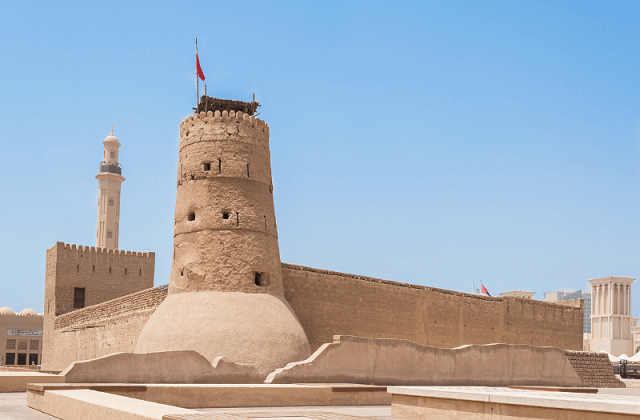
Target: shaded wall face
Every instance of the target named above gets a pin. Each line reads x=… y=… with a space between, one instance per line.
x=328 y=304
x=225 y=233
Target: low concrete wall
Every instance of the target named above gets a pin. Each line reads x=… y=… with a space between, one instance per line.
x=400 y=362
x=166 y=367
x=483 y=403
x=83 y=404
x=290 y=395
x=17 y=381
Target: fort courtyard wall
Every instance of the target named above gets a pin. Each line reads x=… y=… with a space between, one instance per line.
x=102 y=329
x=80 y=276
x=328 y=303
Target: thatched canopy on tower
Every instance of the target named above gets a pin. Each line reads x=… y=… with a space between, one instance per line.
x=207 y=103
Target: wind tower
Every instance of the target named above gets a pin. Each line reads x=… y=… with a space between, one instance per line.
x=110 y=179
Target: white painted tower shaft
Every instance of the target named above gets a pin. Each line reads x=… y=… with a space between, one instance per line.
x=110 y=179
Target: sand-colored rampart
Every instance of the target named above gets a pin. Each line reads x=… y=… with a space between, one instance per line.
x=328 y=303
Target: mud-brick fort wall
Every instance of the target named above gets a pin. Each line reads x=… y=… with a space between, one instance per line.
x=103 y=329
x=329 y=303
x=104 y=274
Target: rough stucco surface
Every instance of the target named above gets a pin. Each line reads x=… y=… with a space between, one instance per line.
x=100 y=330
x=105 y=275
x=400 y=362
x=328 y=303
x=171 y=367
x=225 y=226
x=225 y=289
x=250 y=328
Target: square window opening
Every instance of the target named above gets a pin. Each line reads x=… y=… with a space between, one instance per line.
x=78 y=297
x=261 y=278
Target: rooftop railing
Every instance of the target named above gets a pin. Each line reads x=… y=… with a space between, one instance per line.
x=114 y=169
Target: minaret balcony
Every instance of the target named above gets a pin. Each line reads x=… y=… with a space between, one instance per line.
x=114 y=169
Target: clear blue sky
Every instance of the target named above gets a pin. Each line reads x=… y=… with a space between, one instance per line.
x=435 y=143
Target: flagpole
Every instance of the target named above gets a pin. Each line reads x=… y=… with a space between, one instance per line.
x=197 y=81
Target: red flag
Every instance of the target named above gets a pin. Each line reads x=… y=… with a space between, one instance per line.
x=199 y=69
x=484 y=290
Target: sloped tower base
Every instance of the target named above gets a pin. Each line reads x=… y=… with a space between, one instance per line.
x=252 y=328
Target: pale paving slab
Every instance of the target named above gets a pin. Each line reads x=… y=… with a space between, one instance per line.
x=606 y=403
x=13 y=406
x=382 y=412
x=82 y=404
x=289 y=413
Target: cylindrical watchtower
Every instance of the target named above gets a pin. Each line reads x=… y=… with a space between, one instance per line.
x=225 y=235
x=226 y=296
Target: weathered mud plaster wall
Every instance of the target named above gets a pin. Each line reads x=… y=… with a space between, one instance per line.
x=100 y=330
x=388 y=361
x=328 y=303
x=104 y=274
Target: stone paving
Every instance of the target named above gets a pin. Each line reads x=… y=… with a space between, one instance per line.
x=378 y=412
x=13 y=406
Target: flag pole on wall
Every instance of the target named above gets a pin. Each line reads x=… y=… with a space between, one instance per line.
x=199 y=75
x=197 y=78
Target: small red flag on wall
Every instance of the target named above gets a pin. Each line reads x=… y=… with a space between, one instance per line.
x=485 y=291
x=198 y=68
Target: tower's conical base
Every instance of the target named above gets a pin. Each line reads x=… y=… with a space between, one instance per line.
x=252 y=328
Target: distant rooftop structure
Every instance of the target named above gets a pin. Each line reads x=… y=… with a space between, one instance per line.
x=25 y=312
x=567 y=294
x=207 y=103
x=519 y=293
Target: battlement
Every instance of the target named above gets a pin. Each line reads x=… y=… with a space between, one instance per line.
x=83 y=249
x=97 y=273
x=224 y=126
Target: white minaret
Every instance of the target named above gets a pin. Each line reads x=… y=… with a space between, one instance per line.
x=110 y=177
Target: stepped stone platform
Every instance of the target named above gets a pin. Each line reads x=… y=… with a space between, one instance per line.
x=490 y=403
x=594 y=369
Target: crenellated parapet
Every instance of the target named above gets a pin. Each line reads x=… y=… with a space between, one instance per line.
x=236 y=126
x=79 y=276
x=82 y=250
x=224 y=145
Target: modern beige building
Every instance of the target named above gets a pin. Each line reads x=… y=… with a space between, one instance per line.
x=110 y=179
x=611 y=315
x=519 y=293
x=20 y=337
x=567 y=295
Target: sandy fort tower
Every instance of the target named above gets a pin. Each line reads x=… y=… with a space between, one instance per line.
x=110 y=180
x=226 y=294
